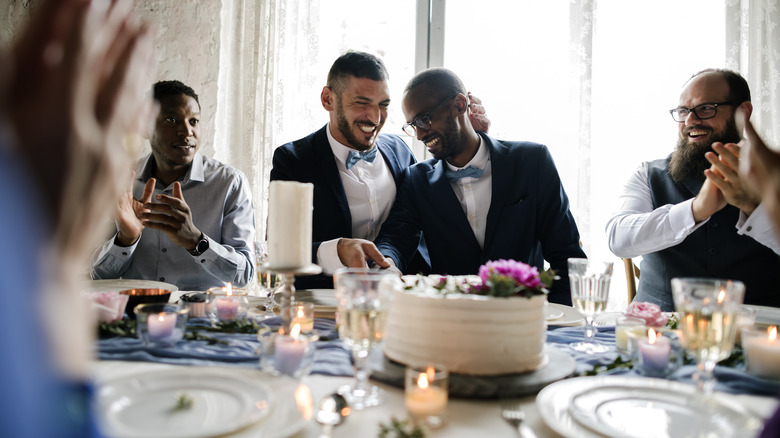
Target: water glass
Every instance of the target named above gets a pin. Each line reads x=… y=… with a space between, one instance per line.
x=267 y=282
x=589 y=281
x=364 y=299
x=709 y=311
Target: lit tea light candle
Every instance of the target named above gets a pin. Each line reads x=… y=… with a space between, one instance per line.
x=763 y=352
x=227 y=307
x=424 y=399
x=160 y=326
x=289 y=351
x=654 y=352
x=304 y=316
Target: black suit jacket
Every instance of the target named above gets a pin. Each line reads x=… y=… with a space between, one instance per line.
x=311 y=160
x=528 y=220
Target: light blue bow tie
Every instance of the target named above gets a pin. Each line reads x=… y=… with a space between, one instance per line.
x=355 y=156
x=469 y=172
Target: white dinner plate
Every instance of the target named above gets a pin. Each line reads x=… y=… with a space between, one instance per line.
x=142 y=406
x=639 y=407
x=124 y=284
x=569 y=316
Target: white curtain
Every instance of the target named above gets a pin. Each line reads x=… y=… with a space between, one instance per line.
x=265 y=49
x=753 y=43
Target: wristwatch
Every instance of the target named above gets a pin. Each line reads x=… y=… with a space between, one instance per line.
x=201 y=247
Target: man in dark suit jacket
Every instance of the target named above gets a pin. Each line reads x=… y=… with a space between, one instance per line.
x=354 y=186
x=478 y=199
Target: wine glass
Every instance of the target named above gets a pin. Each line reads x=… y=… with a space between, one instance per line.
x=589 y=281
x=710 y=309
x=364 y=298
x=267 y=282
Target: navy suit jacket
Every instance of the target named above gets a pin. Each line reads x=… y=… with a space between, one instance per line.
x=528 y=220
x=311 y=160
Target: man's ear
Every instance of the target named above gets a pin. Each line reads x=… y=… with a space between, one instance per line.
x=747 y=107
x=328 y=98
x=462 y=103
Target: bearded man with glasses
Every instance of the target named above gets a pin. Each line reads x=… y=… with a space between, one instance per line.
x=691 y=214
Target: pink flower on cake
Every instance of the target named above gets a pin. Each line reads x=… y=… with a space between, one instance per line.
x=649 y=312
x=509 y=277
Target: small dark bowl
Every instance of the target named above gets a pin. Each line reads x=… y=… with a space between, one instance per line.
x=139 y=296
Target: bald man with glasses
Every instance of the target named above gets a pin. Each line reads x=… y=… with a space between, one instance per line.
x=690 y=214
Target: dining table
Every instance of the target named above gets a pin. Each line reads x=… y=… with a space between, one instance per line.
x=120 y=360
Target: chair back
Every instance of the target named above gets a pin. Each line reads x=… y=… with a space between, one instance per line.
x=632 y=275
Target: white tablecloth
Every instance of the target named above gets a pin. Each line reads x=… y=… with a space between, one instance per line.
x=466 y=418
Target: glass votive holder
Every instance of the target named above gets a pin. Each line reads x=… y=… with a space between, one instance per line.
x=226 y=304
x=300 y=313
x=745 y=318
x=287 y=354
x=160 y=325
x=659 y=354
x=762 y=351
x=623 y=326
x=426 y=390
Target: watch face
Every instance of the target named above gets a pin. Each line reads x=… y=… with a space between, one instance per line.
x=203 y=245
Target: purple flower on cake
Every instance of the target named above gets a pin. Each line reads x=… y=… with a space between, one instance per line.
x=503 y=278
x=649 y=312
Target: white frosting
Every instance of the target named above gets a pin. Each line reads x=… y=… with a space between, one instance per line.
x=467 y=334
x=290 y=208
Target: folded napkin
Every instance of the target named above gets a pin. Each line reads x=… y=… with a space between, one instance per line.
x=330 y=358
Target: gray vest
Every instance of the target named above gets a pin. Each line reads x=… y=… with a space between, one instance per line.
x=713 y=250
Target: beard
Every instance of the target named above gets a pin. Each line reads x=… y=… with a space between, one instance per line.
x=450 y=140
x=688 y=161
x=345 y=128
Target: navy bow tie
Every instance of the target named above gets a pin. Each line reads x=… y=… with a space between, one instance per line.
x=469 y=172
x=355 y=156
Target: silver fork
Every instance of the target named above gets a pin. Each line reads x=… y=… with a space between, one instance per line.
x=514 y=415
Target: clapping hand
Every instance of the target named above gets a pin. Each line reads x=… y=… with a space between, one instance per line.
x=173 y=216
x=760 y=168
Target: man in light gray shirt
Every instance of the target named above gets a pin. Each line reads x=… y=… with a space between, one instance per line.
x=189 y=220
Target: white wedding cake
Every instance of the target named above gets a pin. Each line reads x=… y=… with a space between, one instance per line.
x=466 y=333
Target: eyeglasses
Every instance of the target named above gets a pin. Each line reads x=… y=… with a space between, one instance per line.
x=423 y=121
x=703 y=111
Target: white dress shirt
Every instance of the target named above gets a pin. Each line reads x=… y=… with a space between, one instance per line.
x=638 y=229
x=475 y=194
x=370 y=190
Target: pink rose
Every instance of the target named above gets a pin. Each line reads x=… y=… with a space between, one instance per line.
x=649 y=312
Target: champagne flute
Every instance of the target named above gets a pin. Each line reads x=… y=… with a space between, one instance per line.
x=267 y=282
x=710 y=308
x=363 y=301
x=589 y=281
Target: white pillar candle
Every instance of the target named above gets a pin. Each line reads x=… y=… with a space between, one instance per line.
x=290 y=208
x=160 y=326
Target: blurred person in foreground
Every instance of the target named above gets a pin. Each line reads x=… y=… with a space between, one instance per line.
x=69 y=95
x=355 y=170
x=198 y=232
x=478 y=199
x=759 y=166
x=690 y=214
